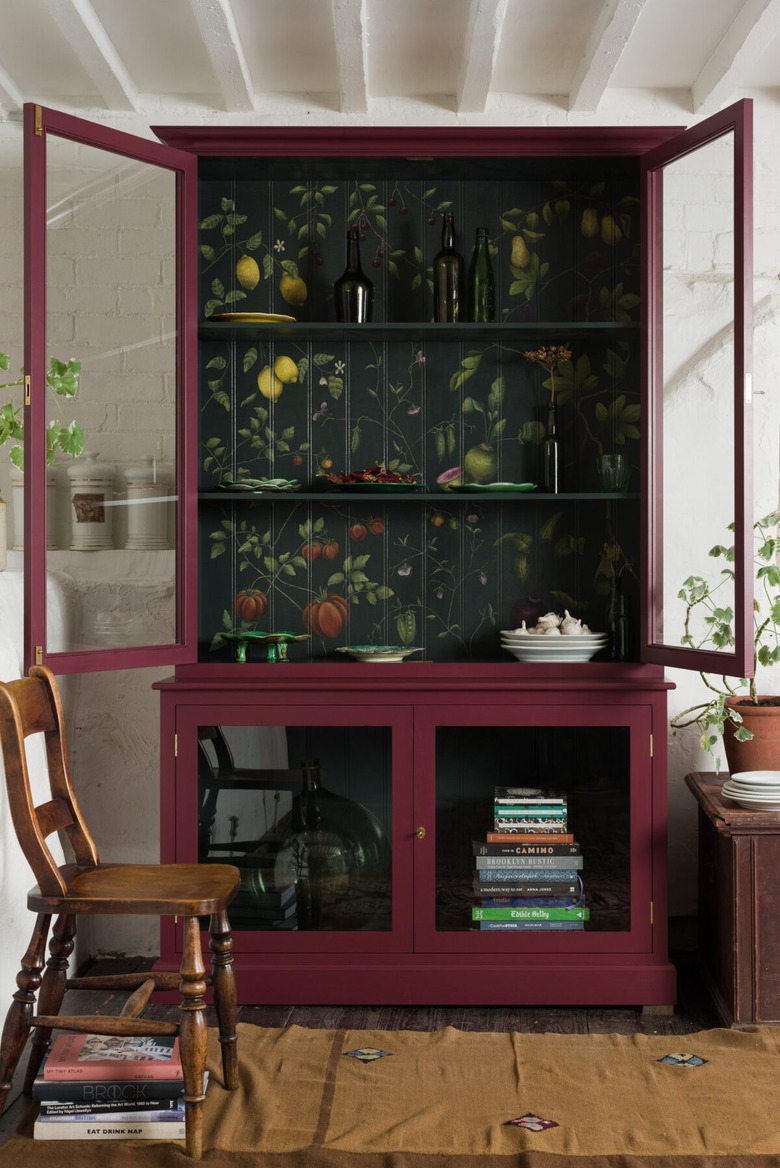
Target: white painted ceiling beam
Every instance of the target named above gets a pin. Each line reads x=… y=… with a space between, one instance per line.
x=350 y=31
x=605 y=46
x=79 y=25
x=745 y=41
x=480 y=51
x=11 y=97
x=219 y=32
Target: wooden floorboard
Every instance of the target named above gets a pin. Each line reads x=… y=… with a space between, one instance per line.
x=694 y=1011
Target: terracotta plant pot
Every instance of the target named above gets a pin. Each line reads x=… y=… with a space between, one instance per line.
x=762 y=752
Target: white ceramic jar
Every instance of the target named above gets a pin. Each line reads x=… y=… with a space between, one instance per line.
x=91 y=500
x=147 y=506
x=17 y=499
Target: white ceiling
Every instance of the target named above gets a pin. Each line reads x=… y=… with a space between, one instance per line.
x=244 y=57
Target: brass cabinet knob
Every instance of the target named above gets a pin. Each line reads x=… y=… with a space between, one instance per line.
x=420 y=833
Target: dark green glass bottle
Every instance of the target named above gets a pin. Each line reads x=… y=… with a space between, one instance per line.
x=353 y=293
x=447 y=275
x=481 y=285
x=551 y=452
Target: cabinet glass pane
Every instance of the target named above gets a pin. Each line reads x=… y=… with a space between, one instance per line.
x=311 y=838
x=111 y=291
x=697 y=415
x=581 y=880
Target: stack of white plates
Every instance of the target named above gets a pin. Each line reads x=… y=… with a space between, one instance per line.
x=548 y=647
x=756 y=790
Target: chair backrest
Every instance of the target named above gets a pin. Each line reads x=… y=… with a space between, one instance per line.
x=32 y=705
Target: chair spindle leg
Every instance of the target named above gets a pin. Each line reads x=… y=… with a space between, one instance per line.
x=19 y=1017
x=224 y=985
x=193 y=1035
x=52 y=991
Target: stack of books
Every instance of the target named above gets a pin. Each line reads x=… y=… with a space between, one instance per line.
x=98 y=1087
x=528 y=872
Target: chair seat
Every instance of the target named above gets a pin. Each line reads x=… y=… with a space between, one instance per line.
x=164 y=890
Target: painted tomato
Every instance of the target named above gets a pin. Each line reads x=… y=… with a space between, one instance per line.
x=330 y=550
x=358 y=531
x=250 y=605
x=326 y=616
x=311 y=552
x=376 y=526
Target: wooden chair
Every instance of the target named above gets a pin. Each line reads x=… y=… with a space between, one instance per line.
x=32 y=705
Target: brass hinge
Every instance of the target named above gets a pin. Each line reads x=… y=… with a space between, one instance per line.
x=651 y=746
x=176 y=746
x=38 y=121
x=27 y=391
x=39 y=654
x=651 y=912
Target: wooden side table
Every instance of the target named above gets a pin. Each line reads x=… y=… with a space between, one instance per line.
x=739 y=905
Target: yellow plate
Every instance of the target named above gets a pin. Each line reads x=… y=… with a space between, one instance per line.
x=252 y=318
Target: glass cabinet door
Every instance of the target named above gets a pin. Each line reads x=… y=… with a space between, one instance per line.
x=108 y=296
x=307 y=805
x=539 y=830
x=697 y=308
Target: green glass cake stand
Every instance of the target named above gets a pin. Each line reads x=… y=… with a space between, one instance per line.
x=275 y=643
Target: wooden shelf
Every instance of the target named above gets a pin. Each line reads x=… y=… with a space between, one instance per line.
x=439 y=498
x=412 y=331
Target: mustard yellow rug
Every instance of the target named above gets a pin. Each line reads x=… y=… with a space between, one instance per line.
x=409 y=1099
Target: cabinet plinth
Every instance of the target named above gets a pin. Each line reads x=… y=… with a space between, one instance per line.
x=739 y=905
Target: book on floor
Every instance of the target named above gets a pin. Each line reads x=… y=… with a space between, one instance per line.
x=133 y=1115
x=101 y=1056
x=110 y=1130
x=110 y=1108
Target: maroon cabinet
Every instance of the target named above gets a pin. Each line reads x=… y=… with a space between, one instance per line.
x=416 y=747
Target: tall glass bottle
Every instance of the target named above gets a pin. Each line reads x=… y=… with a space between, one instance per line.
x=447 y=274
x=481 y=285
x=353 y=293
x=551 y=452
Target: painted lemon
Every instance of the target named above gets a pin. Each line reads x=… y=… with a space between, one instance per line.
x=521 y=257
x=269 y=384
x=589 y=225
x=610 y=232
x=248 y=273
x=293 y=289
x=286 y=370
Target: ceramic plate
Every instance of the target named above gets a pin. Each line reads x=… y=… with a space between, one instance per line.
x=384 y=488
x=755 y=804
x=532 y=654
x=377 y=654
x=251 y=318
x=486 y=488
x=752 y=792
x=756 y=777
x=254 y=485
x=752 y=788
